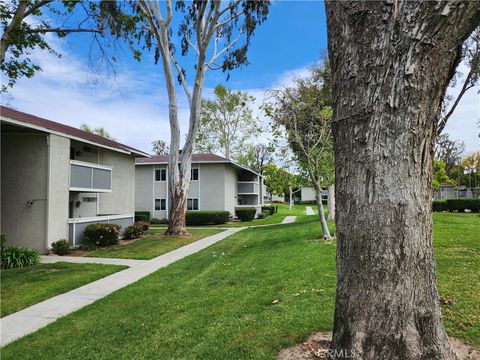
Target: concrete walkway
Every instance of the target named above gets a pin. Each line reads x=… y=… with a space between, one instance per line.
x=309 y=210
x=289 y=219
x=33 y=318
x=49 y=259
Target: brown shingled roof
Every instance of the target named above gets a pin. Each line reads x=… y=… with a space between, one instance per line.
x=163 y=159
x=69 y=131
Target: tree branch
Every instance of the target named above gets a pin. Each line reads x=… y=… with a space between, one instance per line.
x=466 y=86
x=66 y=31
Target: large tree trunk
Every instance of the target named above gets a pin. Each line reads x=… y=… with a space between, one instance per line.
x=331 y=203
x=321 y=213
x=391 y=63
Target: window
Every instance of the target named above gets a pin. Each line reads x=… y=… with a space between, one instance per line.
x=161 y=175
x=160 y=204
x=194 y=174
x=89 y=199
x=192 y=204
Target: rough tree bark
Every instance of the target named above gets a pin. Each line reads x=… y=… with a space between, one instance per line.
x=391 y=63
x=331 y=203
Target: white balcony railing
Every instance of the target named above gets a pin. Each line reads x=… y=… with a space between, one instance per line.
x=89 y=177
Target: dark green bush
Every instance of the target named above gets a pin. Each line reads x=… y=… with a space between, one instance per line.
x=134 y=231
x=155 y=221
x=270 y=209
x=61 y=247
x=142 y=216
x=207 y=217
x=102 y=234
x=456 y=205
x=18 y=257
x=462 y=204
x=308 y=202
x=145 y=225
x=246 y=214
x=439 y=205
x=263 y=214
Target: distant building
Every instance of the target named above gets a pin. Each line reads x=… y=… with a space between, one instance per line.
x=216 y=184
x=307 y=193
x=448 y=191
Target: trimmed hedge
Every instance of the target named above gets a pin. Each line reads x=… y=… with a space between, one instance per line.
x=270 y=209
x=246 y=214
x=134 y=231
x=439 y=206
x=142 y=216
x=456 y=205
x=61 y=247
x=462 y=204
x=206 y=217
x=102 y=234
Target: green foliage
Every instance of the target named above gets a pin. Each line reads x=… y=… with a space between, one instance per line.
x=207 y=217
x=440 y=176
x=142 y=216
x=102 y=234
x=255 y=157
x=19 y=257
x=463 y=204
x=456 y=205
x=246 y=214
x=134 y=231
x=155 y=221
x=160 y=147
x=269 y=208
x=61 y=247
x=439 y=206
x=278 y=180
x=226 y=123
x=100 y=131
x=143 y=224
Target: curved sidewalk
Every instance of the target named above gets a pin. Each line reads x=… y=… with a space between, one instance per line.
x=33 y=318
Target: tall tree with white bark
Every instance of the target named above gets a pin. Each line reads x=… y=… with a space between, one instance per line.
x=306 y=116
x=391 y=63
x=218 y=34
x=226 y=123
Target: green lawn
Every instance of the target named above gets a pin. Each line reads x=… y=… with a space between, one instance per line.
x=151 y=245
x=24 y=287
x=221 y=303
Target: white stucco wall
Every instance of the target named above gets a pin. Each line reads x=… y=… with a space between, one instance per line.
x=58 y=188
x=24 y=158
x=212 y=186
x=122 y=198
x=230 y=189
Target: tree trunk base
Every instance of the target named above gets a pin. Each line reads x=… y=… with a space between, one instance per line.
x=177 y=231
x=318 y=347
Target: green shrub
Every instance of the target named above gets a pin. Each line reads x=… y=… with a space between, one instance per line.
x=164 y=221
x=61 y=247
x=18 y=257
x=462 y=204
x=155 y=221
x=263 y=214
x=102 y=234
x=142 y=216
x=207 y=217
x=143 y=224
x=133 y=231
x=246 y=214
x=270 y=209
x=439 y=205
x=308 y=202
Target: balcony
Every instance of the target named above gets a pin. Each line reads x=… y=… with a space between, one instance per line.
x=89 y=177
x=247 y=187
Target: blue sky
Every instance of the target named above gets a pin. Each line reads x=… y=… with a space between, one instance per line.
x=133 y=106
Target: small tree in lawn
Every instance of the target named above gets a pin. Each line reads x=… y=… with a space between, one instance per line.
x=160 y=147
x=306 y=117
x=279 y=181
x=226 y=123
x=212 y=31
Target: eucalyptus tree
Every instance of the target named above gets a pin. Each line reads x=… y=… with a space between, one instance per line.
x=160 y=147
x=100 y=131
x=391 y=64
x=256 y=156
x=306 y=118
x=226 y=123
x=217 y=34
x=25 y=24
